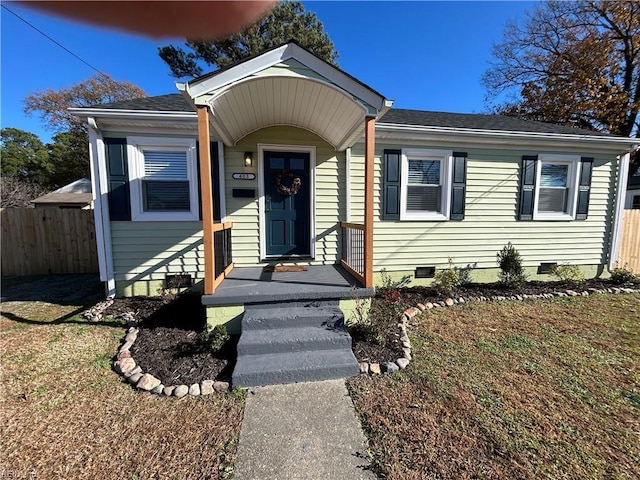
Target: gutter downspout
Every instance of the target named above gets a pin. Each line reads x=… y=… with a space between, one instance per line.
x=99 y=189
x=623 y=173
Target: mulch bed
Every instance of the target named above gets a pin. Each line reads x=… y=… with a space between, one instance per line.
x=369 y=352
x=414 y=295
x=170 y=345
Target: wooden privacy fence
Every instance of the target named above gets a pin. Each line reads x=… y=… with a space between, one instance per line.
x=630 y=241
x=48 y=240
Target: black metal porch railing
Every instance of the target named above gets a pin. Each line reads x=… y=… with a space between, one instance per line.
x=353 y=248
x=222 y=251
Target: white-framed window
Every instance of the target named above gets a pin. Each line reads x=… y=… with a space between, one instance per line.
x=556 y=187
x=163 y=179
x=425 y=185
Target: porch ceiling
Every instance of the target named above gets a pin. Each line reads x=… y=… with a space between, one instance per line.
x=259 y=102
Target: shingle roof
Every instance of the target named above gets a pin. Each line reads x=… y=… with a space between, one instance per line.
x=477 y=121
x=175 y=102
x=66 y=198
x=171 y=102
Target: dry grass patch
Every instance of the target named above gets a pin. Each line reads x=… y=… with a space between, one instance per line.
x=528 y=390
x=65 y=414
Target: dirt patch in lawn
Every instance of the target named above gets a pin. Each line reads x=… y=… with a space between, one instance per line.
x=534 y=389
x=171 y=343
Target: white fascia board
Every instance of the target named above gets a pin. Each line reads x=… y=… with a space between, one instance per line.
x=236 y=73
x=397 y=132
x=137 y=114
x=281 y=54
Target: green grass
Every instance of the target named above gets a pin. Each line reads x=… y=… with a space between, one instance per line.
x=527 y=390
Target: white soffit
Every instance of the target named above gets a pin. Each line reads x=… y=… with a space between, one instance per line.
x=263 y=101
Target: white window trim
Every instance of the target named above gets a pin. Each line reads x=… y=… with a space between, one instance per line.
x=444 y=156
x=572 y=179
x=135 y=148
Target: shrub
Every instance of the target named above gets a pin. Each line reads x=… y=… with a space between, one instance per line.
x=374 y=319
x=512 y=272
x=623 y=275
x=215 y=338
x=446 y=280
x=568 y=273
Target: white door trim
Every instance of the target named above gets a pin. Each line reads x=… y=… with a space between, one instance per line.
x=311 y=150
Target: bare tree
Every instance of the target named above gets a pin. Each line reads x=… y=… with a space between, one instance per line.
x=572 y=63
x=16 y=192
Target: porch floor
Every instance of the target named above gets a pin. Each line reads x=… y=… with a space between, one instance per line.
x=247 y=285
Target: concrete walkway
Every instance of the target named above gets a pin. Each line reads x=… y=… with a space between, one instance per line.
x=301 y=431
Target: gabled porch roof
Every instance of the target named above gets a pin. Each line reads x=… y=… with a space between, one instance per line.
x=287 y=85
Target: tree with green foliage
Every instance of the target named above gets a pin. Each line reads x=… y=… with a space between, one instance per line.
x=69 y=155
x=24 y=156
x=287 y=21
x=572 y=63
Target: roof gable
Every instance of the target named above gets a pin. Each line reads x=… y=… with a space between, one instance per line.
x=293 y=55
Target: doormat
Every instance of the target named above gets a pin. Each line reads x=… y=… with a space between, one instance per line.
x=285 y=268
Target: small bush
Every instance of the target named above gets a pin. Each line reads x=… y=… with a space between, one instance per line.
x=446 y=280
x=512 y=272
x=623 y=275
x=216 y=338
x=374 y=319
x=568 y=273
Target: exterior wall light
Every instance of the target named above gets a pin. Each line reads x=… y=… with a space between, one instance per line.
x=248 y=159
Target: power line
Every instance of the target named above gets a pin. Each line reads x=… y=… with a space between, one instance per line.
x=54 y=41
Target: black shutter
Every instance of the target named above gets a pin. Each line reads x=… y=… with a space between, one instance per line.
x=458 y=186
x=527 y=187
x=584 y=187
x=391 y=185
x=118 y=179
x=215 y=175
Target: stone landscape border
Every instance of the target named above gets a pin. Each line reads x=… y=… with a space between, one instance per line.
x=420 y=308
x=125 y=365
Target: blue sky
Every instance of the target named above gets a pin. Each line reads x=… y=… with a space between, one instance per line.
x=424 y=55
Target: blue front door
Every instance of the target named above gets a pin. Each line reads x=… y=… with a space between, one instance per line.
x=287 y=204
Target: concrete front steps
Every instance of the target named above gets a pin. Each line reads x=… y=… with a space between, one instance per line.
x=293 y=342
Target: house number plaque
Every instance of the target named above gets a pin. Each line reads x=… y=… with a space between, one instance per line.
x=244 y=176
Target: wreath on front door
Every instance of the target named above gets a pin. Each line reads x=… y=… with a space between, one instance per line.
x=291 y=185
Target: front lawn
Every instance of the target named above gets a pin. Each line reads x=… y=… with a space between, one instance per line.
x=66 y=414
x=527 y=390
